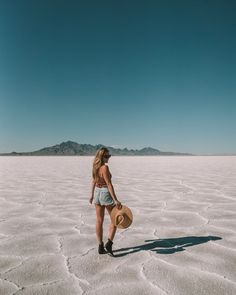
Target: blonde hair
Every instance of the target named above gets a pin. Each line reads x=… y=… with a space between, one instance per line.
x=99 y=161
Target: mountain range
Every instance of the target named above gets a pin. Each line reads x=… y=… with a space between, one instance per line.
x=70 y=148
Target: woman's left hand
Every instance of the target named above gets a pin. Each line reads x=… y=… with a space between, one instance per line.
x=91 y=200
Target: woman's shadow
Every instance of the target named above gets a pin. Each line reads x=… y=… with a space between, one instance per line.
x=168 y=246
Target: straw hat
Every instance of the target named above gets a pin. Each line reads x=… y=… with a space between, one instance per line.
x=122 y=218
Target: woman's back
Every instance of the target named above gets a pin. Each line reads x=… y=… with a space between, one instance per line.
x=101 y=181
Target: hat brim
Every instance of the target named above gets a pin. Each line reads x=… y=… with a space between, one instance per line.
x=125 y=214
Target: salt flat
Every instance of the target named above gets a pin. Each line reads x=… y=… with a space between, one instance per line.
x=182 y=240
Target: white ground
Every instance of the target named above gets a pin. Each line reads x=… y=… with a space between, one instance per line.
x=182 y=240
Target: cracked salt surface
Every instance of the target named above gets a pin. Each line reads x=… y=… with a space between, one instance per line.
x=182 y=240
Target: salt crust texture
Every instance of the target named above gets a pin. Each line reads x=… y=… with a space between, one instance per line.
x=182 y=240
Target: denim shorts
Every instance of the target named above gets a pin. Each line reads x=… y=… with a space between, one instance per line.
x=102 y=196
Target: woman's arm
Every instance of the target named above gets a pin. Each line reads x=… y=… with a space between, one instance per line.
x=93 y=186
x=107 y=178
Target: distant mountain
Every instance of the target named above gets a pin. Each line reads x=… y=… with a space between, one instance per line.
x=71 y=148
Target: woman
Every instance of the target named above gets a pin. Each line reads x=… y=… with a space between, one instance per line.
x=104 y=197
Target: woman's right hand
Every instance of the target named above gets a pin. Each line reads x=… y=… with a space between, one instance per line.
x=118 y=204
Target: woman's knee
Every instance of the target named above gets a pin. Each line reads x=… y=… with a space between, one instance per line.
x=99 y=221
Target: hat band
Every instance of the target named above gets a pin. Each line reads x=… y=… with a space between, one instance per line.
x=121 y=221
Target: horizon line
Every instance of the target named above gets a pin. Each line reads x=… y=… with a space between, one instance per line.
x=115 y=146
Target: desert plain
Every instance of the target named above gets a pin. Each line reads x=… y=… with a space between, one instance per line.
x=182 y=240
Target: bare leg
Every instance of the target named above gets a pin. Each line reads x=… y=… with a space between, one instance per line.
x=112 y=228
x=99 y=222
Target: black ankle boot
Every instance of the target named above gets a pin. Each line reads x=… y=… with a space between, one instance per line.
x=101 y=249
x=108 y=246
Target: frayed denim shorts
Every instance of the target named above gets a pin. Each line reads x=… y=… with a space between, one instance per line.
x=102 y=196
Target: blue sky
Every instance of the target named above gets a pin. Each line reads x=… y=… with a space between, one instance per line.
x=121 y=73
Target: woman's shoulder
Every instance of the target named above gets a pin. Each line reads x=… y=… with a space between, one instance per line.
x=104 y=167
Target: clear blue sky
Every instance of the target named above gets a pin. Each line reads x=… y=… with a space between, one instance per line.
x=121 y=73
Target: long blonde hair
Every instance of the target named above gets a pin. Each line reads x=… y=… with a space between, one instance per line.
x=99 y=161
